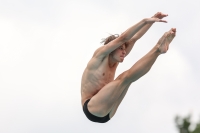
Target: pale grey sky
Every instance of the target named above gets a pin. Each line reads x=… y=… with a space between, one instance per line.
x=45 y=46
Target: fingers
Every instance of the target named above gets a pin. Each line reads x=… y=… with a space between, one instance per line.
x=164 y=15
x=163 y=21
x=160 y=15
x=152 y=20
x=160 y=20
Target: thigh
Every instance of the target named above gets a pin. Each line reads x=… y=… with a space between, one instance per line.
x=118 y=102
x=102 y=103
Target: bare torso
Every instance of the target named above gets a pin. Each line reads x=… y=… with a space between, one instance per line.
x=95 y=76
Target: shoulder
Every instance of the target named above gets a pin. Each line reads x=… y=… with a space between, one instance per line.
x=96 y=59
x=97 y=52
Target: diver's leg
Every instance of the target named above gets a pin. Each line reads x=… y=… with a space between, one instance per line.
x=111 y=95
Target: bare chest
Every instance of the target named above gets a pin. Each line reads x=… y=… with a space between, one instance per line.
x=93 y=80
x=105 y=74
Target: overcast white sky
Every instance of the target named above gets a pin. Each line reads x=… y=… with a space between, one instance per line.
x=45 y=46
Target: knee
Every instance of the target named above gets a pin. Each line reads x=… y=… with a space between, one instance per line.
x=124 y=77
x=128 y=77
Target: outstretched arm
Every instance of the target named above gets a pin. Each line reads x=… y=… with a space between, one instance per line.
x=124 y=37
x=142 y=31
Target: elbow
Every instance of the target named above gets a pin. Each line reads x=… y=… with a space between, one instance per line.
x=124 y=38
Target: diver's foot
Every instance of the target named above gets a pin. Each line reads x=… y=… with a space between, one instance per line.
x=165 y=40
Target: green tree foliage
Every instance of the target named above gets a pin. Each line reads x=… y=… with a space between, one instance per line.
x=197 y=129
x=184 y=125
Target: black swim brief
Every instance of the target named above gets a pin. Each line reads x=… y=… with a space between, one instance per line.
x=93 y=117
